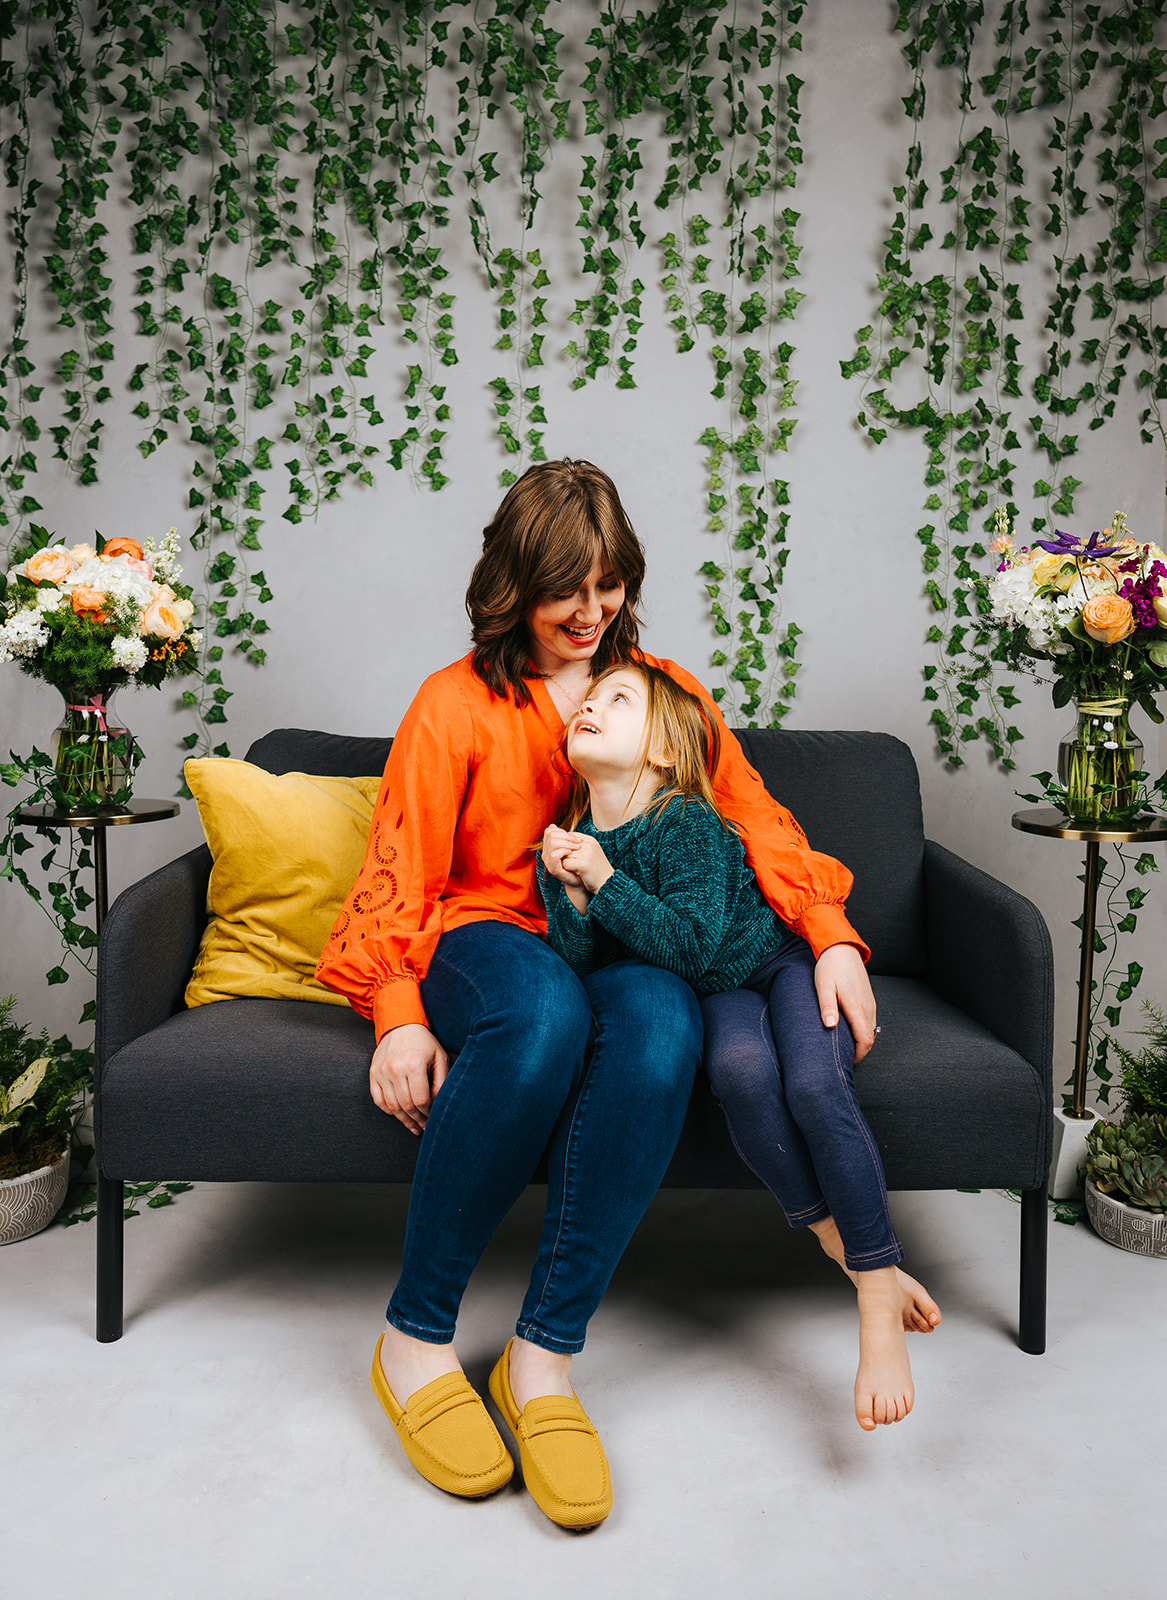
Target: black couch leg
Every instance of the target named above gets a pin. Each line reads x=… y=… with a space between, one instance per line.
x=1034 y=1239
x=110 y=1231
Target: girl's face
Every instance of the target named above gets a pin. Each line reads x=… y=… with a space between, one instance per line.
x=568 y=627
x=607 y=735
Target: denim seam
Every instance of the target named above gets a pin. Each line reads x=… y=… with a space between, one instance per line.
x=423 y=1184
x=565 y=1206
x=848 y=1088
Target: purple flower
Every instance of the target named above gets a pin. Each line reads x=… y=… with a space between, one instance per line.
x=1065 y=544
x=1142 y=593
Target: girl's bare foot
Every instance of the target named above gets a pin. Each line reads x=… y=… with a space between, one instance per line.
x=409 y=1364
x=883 y=1384
x=919 y=1311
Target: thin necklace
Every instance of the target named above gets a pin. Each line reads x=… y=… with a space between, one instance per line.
x=575 y=701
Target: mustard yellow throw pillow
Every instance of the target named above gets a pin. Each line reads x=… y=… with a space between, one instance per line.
x=286 y=852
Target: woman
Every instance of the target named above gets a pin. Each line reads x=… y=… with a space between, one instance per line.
x=488 y=1044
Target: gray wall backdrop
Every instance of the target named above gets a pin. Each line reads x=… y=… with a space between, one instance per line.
x=368 y=599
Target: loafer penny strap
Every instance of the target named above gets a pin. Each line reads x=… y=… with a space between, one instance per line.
x=555 y=1414
x=438 y=1399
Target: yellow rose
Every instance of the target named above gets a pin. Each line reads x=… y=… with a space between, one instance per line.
x=1160 y=605
x=160 y=621
x=1048 y=570
x=48 y=566
x=82 y=552
x=1108 y=618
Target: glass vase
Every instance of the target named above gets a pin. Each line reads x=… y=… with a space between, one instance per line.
x=1098 y=758
x=93 y=754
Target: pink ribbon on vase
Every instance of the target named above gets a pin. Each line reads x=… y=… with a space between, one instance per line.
x=97 y=707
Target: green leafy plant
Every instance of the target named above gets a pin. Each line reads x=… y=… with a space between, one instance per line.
x=42 y=1085
x=945 y=359
x=1129 y=1158
x=1144 y=1072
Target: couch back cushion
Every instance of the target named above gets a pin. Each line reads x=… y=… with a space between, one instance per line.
x=857 y=797
x=331 y=755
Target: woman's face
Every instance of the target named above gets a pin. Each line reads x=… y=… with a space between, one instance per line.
x=568 y=627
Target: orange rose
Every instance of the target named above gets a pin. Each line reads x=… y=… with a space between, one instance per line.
x=161 y=621
x=48 y=566
x=89 y=603
x=123 y=547
x=1108 y=618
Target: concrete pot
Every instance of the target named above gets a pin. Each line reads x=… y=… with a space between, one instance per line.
x=1127 y=1226
x=30 y=1202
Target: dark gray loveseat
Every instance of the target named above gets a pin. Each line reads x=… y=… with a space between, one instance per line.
x=277 y=1090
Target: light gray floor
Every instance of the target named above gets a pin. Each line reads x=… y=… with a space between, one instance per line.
x=230 y=1448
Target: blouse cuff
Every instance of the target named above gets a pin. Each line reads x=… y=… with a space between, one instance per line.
x=398 y=1003
x=824 y=925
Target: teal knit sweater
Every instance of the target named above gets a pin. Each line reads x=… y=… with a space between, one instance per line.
x=682 y=896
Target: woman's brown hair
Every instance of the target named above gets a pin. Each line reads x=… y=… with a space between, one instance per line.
x=546 y=536
x=678 y=727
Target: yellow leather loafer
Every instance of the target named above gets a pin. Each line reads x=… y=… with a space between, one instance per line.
x=447 y=1434
x=564 y=1466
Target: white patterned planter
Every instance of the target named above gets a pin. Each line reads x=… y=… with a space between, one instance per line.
x=30 y=1202
x=1127 y=1226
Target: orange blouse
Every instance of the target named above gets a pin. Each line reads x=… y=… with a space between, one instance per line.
x=471 y=782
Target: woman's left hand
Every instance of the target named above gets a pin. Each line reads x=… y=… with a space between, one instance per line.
x=842 y=985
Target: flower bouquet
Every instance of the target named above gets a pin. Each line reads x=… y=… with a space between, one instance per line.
x=1096 y=611
x=89 y=619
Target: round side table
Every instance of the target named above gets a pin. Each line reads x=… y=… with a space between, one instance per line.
x=1071 y=1127
x=47 y=819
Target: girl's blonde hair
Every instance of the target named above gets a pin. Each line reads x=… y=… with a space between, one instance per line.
x=678 y=727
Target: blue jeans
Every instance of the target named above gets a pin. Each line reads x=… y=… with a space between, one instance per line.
x=785 y=1084
x=597 y=1072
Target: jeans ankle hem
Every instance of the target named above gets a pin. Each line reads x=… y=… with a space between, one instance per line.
x=889 y=1257
x=803 y=1219
x=414 y=1331
x=548 y=1341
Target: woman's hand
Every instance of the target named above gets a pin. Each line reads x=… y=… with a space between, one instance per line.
x=408 y=1068
x=842 y=984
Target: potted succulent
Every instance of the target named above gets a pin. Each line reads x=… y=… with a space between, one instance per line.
x=1126 y=1183
x=40 y=1094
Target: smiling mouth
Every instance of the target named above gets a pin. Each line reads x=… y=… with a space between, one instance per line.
x=581 y=635
x=584 y=727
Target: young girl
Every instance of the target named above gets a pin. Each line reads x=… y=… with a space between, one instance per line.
x=644 y=865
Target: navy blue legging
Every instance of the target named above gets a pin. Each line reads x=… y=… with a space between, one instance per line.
x=786 y=1086
x=596 y=1071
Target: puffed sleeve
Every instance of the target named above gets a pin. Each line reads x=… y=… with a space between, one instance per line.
x=384 y=939
x=807 y=890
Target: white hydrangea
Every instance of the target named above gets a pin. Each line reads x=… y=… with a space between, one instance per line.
x=113 y=578
x=23 y=635
x=195 y=639
x=128 y=654
x=49 y=597
x=1016 y=602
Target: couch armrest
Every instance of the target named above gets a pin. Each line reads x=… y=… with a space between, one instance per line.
x=147 y=949
x=989 y=954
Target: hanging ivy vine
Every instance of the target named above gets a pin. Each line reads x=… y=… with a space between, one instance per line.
x=945 y=357
x=291 y=171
